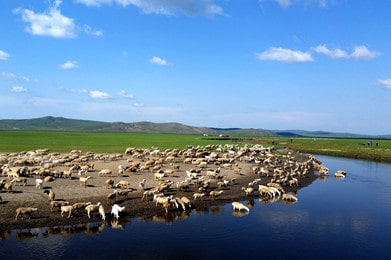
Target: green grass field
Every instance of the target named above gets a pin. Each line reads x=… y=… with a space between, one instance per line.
x=17 y=141
x=340 y=147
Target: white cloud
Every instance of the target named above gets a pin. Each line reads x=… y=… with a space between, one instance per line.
x=284 y=55
x=94 y=2
x=4 y=55
x=18 y=89
x=124 y=94
x=158 y=61
x=51 y=23
x=332 y=53
x=284 y=3
x=69 y=65
x=385 y=83
x=288 y=3
x=363 y=53
x=359 y=52
x=165 y=7
x=138 y=104
x=8 y=75
x=88 y=30
x=99 y=94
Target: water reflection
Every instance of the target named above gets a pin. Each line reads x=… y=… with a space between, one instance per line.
x=349 y=215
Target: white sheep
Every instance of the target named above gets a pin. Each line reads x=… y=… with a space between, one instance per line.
x=25 y=211
x=83 y=180
x=239 y=206
x=116 y=209
x=198 y=195
x=38 y=183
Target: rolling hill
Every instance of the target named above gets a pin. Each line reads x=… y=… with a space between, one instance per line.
x=50 y=123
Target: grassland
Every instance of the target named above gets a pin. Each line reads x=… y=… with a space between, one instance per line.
x=340 y=147
x=17 y=141
x=56 y=141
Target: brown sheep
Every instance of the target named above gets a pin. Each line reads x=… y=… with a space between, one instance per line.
x=25 y=211
x=214 y=194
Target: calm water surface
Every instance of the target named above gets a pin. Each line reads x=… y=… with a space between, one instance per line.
x=349 y=218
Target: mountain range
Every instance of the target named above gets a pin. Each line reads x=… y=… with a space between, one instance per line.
x=50 y=123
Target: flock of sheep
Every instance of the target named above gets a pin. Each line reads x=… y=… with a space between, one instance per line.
x=205 y=172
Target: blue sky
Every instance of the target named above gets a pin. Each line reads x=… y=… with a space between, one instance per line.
x=271 y=64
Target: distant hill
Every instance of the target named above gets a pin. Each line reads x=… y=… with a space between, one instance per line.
x=50 y=123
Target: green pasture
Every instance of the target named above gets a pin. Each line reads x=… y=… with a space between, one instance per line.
x=18 y=141
x=340 y=147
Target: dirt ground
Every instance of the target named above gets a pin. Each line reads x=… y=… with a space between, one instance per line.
x=96 y=191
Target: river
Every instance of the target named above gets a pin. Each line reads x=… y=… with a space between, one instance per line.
x=333 y=218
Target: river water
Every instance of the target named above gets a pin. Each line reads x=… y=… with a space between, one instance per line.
x=333 y=218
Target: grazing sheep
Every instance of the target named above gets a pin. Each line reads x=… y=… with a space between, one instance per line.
x=105 y=172
x=109 y=183
x=159 y=175
x=124 y=193
x=167 y=204
x=83 y=180
x=112 y=195
x=161 y=199
x=198 y=196
x=57 y=203
x=92 y=208
x=294 y=182
x=183 y=186
x=178 y=201
x=122 y=184
x=214 y=194
x=186 y=201
x=80 y=205
x=239 y=206
x=7 y=186
x=51 y=194
x=116 y=209
x=148 y=193
x=67 y=174
x=20 y=180
x=25 y=211
x=49 y=179
x=38 y=183
x=101 y=211
x=249 y=190
x=67 y=209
